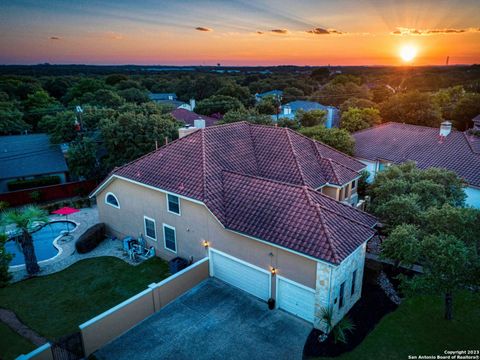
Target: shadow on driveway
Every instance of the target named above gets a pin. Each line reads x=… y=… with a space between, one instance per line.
x=212 y=321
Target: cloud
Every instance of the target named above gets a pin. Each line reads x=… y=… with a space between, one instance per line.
x=279 y=31
x=321 y=31
x=413 y=31
x=55 y=38
x=113 y=35
x=201 y=28
x=260 y=32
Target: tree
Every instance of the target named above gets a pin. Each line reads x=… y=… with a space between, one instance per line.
x=268 y=105
x=114 y=79
x=24 y=218
x=102 y=98
x=11 y=121
x=447 y=267
x=134 y=95
x=133 y=133
x=311 y=118
x=465 y=110
x=247 y=115
x=401 y=193
x=218 y=104
x=355 y=119
x=129 y=84
x=291 y=93
x=241 y=93
x=413 y=107
x=336 y=92
x=288 y=123
x=60 y=127
x=357 y=103
x=37 y=105
x=339 y=139
x=5 y=259
x=320 y=74
x=85 y=85
x=402 y=245
x=82 y=158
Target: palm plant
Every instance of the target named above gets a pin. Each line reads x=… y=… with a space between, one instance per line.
x=340 y=330
x=24 y=218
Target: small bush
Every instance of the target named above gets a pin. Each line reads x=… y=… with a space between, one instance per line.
x=91 y=238
x=33 y=183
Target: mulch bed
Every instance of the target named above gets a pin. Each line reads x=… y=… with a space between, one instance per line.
x=365 y=314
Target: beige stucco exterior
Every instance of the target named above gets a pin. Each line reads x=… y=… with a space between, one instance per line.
x=197 y=224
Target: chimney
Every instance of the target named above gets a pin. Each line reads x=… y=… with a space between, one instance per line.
x=186 y=130
x=445 y=128
x=192 y=104
x=199 y=123
x=476 y=123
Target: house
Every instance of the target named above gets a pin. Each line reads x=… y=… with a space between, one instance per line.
x=261 y=202
x=393 y=143
x=170 y=99
x=188 y=117
x=290 y=109
x=27 y=157
x=277 y=94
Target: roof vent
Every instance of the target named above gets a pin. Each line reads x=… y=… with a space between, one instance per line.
x=445 y=128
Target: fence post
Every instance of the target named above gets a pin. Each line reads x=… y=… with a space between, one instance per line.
x=155 y=298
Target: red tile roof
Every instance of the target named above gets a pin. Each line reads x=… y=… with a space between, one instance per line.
x=260 y=180
x=188 y=117
x=395 y=142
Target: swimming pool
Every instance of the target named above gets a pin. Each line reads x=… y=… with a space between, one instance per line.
x=42 y=242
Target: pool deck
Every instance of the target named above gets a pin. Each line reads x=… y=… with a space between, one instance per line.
x=85 y=218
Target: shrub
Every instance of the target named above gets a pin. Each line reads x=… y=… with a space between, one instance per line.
x=5 y=259
x=33 y=183
x=91 y=238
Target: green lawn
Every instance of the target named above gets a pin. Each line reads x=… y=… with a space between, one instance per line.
x=12 y=344
x=417 y=327
x=56 y=304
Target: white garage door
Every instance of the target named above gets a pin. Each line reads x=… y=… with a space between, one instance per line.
x=238 y=273
x=296 y=298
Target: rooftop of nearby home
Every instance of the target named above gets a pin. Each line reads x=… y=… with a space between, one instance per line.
x=395 y=142
x=162 y=96
x=260 y=181
x=270 y=93
x=188 y=117
x=29 y=155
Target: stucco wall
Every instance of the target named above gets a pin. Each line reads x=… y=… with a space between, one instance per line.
x=371 y=168
x=473 y=197
x=195 y=224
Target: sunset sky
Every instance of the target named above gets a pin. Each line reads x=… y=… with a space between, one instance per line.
x=238 y=32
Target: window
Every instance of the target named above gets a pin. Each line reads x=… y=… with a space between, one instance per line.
x=354 y=280
x=354 y=184
x=169 y=238
x=150 y=230
x=112 y=200
x=342 y=291
x=173 y=204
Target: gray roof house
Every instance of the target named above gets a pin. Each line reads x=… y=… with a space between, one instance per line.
x=29 y=156
x=273 y=93
x=170 y=99
x=392 y=143
x=290 y=109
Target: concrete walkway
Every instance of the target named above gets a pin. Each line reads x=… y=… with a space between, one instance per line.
x=213 y=321
x=85 y=218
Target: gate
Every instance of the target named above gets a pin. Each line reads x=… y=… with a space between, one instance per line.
x=69 y=347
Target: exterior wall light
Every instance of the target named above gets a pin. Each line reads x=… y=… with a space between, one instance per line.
x=205 y=243
x=273 y=271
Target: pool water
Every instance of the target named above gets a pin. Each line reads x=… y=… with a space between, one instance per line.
x=42 y=242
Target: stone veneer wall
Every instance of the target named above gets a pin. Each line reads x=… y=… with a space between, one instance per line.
x=329 y=279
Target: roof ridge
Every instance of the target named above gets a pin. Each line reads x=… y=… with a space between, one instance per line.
x=322 y=221
x=333 y=169
x=466 y=136
x=345 y=166
x=254 y=148
x=302 y=175
x=204 y=166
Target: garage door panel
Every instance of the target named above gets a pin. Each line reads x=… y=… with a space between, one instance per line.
x=296 y=299
x=238 y=274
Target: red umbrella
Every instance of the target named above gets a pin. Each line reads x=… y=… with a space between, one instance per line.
x=65 y=211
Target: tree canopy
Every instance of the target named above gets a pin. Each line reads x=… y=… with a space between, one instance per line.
x=311 y=118
x=355 y=119
x=339 y=139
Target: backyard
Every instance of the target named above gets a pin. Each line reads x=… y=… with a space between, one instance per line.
x=56 y=304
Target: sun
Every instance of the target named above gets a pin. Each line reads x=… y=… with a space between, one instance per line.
x=408 y=53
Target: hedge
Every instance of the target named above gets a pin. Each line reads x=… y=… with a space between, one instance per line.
x=33 y=183
x=90 y=239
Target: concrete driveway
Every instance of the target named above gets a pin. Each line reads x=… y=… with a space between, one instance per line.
x=212 y=321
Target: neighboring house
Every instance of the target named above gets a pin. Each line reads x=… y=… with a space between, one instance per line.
x=393 y=143
x=254 y=200
x=290 y=109
x=170 y=99
x=277 y=94
x=25 y=157
x=189 y=117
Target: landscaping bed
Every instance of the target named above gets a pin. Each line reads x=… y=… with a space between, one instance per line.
x=365 y=315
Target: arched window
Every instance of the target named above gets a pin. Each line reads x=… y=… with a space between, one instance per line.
x=112 y=200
